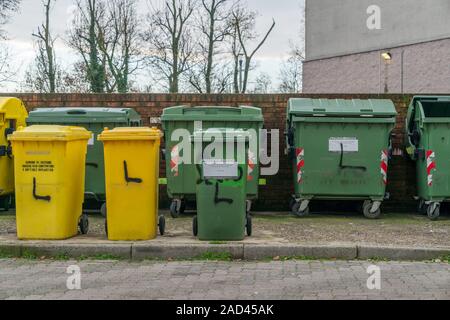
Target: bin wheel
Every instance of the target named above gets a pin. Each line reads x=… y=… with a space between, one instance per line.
x=103 y=210
x=249 y=225
x=292 y=202
x=162 y=225
x=106 y=227
x=6 y=203
x=434 y=214
x=422 y=207
x=367 y=207
x=195 y=226
x=173 y=209
x=296 y=210
x=84 y=224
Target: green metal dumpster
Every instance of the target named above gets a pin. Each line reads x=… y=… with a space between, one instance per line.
x=428 y=143
x=181 y=176
x=94 y=120
x=221 y=190
x=340 y=151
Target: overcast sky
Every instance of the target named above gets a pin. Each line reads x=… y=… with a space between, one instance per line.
x=287 y=14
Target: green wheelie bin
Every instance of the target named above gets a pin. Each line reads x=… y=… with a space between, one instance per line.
x=340 y=151
x=94 y=120
x=428 y=144
x=181 y=176
x=221 y=189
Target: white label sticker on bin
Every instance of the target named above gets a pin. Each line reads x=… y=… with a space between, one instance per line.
x=91 y=141
x=220 y=169
x=346 y=144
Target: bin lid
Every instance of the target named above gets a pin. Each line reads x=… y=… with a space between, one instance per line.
x=213 y=113
x=132 y=133
x=82 y=115
x=13 y=108
x=50 y=133
x=374 y=108
x=433 y=108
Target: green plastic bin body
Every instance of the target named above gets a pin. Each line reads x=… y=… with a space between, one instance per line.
x=428 y=143
x=221 y=201
x=94 y=120
x=340 y=148
x=181 y=178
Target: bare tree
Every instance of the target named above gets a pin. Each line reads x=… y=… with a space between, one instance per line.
x=6 y=74
x=45 y=76
x=87 y=28
x=263 y=83
x=246 y=23
x=243 y=24
x=207 y=74
x=170 y=41
x=291 y=72
x=118 y=41
x=6 y=8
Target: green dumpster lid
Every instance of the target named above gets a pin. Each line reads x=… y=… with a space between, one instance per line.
x=433 y=108
x=212 y=113
x=82 y=115
x=375 y=108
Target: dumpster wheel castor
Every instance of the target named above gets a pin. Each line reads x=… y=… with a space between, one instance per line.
x=195 y=226
x=368 y=212
x=422 y=207
x=83 y=224
x=175 y=212
x=299 y=213
x=162 y=225
x=433 y=211
x=249 y=226
x=103 y=210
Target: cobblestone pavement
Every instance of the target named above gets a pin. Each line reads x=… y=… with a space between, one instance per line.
x=25 y=279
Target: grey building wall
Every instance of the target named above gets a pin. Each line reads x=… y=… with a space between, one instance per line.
x=339 y=27
x=426 y=70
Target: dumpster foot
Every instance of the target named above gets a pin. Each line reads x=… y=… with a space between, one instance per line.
x=301 y=208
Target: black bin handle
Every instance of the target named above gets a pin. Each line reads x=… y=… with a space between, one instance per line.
x=341 y=162
x=127 y=178
x=92 y=164
x=43 y=198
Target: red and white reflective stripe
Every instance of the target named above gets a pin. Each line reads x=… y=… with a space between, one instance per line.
x=251 y=165
x=300 y=164
x=384 y=165
x=431 y=166
x=175 y=160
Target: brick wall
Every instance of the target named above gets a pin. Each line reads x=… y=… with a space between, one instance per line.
x=425 y=70
x=275 y=195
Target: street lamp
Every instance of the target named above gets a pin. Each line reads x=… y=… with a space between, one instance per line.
x=241 y=64
x=387 y=56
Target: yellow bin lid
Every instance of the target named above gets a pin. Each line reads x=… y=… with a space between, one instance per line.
x=134 y=133
x=50 y=133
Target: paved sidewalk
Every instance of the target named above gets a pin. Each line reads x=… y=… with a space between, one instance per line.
x=24 y=279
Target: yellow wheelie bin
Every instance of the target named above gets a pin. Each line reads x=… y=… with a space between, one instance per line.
x=12 y=115
x=131 y=174
x=49 y=164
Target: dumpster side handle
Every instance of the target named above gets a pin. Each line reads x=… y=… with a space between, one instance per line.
x=92 y=164
x=127 y=178
x=341 y=163
x=43 y=198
